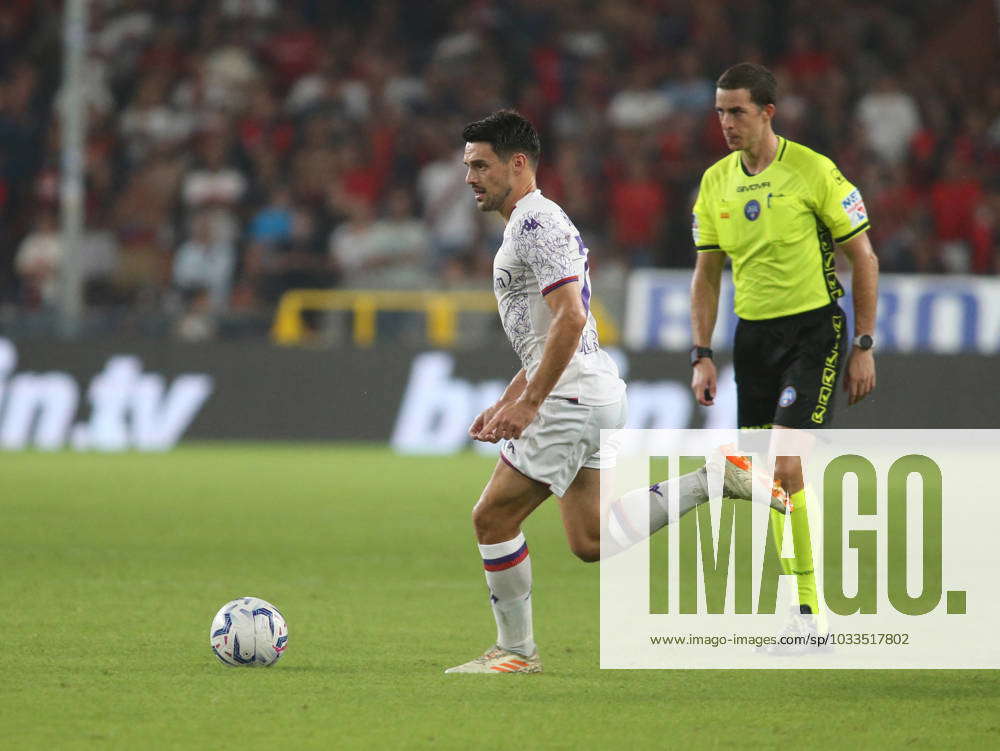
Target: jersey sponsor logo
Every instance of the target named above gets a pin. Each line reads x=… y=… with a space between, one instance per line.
x=752 y=210
x=589 y=342
x=753 y=186
x=788 y=397
x=854 y=207
x=529 y=224
x=502 y=279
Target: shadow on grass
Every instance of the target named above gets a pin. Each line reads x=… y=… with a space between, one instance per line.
x=278 y=669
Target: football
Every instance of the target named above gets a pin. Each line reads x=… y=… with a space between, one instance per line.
x=248 y=632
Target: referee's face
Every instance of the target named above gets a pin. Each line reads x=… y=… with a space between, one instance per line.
x=743 y=123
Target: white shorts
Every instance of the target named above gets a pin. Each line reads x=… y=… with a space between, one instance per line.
x=563 y=437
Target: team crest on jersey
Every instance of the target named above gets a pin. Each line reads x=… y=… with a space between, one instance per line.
x=788 y=397
x=502 y=279
x=854 y=207
x=752 y=210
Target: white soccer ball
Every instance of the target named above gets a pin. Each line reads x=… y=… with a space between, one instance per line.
x=248 y=631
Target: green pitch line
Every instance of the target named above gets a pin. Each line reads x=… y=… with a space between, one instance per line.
x=113 y=566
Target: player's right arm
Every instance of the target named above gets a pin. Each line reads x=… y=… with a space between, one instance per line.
x=705 y=287
x=511 y=394
x=840 y=205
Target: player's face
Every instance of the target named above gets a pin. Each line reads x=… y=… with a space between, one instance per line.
x=488 y=174
x=743 y=122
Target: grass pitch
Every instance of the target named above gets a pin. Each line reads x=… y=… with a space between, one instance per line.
x=113 y=566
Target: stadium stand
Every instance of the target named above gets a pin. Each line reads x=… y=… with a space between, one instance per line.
x=238 y=149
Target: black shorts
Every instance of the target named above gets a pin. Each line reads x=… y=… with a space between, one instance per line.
x=787 y=368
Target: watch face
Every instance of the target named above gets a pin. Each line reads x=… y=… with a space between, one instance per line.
x=865 y=341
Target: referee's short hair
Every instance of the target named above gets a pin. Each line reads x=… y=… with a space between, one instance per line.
x=756 y=79
x=508 y=132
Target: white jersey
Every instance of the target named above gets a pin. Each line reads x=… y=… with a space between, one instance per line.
x=540 y=252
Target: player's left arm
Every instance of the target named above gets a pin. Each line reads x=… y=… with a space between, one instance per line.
x=859 y=375
x=568 y=320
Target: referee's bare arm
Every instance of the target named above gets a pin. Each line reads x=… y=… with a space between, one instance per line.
x=705 y=287
x=859 y=376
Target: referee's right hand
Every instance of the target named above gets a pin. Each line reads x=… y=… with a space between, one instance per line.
x=703 y=381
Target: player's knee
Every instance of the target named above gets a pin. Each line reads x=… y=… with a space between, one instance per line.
x=490 y=525
x=788 y=471
x=480 y=520
x=587 y=550
x=786 y=466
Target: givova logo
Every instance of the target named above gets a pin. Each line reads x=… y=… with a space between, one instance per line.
x=129 y=408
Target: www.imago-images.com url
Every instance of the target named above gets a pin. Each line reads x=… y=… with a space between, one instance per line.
x=812 y=640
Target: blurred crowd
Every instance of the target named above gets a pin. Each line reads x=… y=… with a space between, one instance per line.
x=240 y=148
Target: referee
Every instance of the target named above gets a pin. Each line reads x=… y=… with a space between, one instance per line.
x=777 y=209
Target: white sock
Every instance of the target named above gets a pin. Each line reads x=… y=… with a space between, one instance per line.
x=508 y=575
x=626 y=523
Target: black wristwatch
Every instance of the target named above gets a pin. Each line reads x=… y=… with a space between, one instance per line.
x=699 y=352
x=864 y=342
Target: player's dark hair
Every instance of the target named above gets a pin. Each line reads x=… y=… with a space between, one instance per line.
x=756 y=79
x=508 y=132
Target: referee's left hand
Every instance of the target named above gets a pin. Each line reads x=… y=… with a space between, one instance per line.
x=859 y=379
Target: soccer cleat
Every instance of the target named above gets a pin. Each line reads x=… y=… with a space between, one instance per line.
x=499 y=660
x=801 y=635
x=739 y=479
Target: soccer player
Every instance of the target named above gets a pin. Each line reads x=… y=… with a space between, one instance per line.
x=779 y=210
x=550 y=416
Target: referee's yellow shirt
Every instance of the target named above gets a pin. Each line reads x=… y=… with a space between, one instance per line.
x=779 y=227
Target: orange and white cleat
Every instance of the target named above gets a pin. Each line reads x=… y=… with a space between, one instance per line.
x=499 y=660
x=740 y=478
